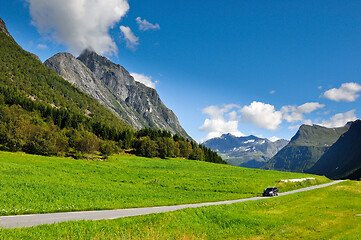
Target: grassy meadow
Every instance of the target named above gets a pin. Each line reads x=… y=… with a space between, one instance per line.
x=37 y=184
x=326 y=213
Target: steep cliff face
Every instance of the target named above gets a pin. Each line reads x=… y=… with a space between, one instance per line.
x=115 y=88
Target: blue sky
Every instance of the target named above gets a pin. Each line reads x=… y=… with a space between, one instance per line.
x=245 y=67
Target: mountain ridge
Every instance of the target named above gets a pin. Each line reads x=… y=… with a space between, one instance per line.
x=305 y=148
x=113 y=86
x=343 y=159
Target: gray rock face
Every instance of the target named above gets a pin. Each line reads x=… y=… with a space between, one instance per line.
x=250 y=151
x=115 y=88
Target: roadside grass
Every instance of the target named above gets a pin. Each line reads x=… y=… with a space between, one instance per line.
x=327 y=213
x=37 y=184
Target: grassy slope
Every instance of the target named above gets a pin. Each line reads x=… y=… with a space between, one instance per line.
x=36 y=184
x=328 y=213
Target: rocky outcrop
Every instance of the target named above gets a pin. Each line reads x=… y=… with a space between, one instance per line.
x=115 y=88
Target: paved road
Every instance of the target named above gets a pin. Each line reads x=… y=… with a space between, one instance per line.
x=39 y=219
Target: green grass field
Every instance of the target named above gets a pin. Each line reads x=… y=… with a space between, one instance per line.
x=36 y=184
x=327 y=213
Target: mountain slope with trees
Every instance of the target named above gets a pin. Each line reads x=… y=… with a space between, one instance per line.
x=305 y=148
x=343 y=159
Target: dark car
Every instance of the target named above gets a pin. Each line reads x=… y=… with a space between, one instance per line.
x=270 y=191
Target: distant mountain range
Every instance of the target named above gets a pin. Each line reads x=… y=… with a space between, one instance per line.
x=343 y=159
x=305 y=148
x=115 y=88
x=250 y=151
x=333 y=152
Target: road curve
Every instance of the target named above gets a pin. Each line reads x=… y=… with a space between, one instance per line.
x=49 y=218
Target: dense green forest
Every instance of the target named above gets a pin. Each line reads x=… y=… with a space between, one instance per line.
x=41 y=113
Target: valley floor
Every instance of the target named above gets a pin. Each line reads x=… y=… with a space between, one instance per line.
x=327 y=213
x=49 y=218
x=35 y=184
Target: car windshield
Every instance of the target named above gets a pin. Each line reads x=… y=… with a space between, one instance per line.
x=269 y=189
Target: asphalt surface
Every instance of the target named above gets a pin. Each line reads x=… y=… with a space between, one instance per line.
x=49 y=218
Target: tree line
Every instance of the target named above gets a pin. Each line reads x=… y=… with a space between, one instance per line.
x=36 y=127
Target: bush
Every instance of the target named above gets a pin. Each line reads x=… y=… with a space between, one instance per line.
x=88 y=143
x=108 y=148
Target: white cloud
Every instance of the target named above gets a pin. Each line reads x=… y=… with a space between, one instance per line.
x=272 y=92
x=347 y=92
x=310 y=107
x=262 y=115
x=308 y=122
x=144 y=25
x=292 y=127
x=217 y=125
x=217 y=113
x=130 y=38
x=340 y=119
x=146 y=80
x=233 y=116
x=42 y=46
x=294 y=114
x=79 y=24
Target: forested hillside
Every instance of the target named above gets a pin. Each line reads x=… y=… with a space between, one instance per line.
x=42 y=113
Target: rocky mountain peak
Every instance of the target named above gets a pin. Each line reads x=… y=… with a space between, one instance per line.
x=114 y=87
x=89 y=54
x=64 y=56
x=89 y=57
x=4 y=29
x=111 y=74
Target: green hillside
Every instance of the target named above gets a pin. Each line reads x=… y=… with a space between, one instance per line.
x=305 y=148
x=37 y=184
x=328 y=213
x=22 y=73
x=343 y=159
x=41 y=113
